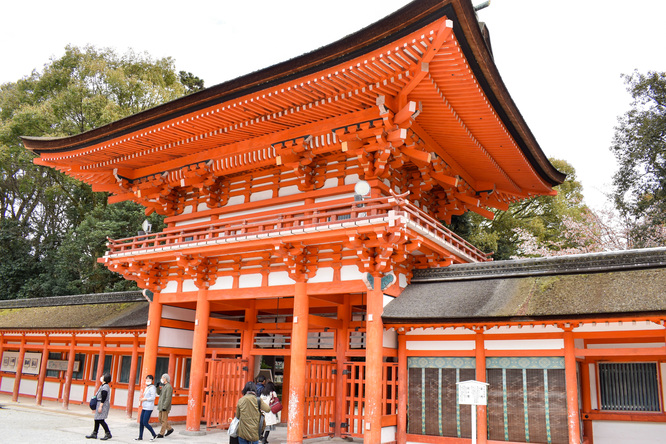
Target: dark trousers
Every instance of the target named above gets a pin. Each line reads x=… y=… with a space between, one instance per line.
x=145 y=418
x=104 y=426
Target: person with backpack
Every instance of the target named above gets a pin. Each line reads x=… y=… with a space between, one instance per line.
x=249 y=411
x=165 y=392
x=102 y=408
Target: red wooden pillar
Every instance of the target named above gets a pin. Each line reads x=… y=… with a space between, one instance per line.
x=586 y=397
x=100 y=360
x=152 y=342
x=248 y=336
x=401 y=432
x=195 y=404
x=19 y=369
x=42 y=369
x=70 y=370
x=297 y=371
x=481 y=415
x=341 y=344
x=2 y=350
x=374 y=357
x=129 y=406
x=573 y=412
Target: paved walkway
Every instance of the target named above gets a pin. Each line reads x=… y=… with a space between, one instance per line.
x=25 y=422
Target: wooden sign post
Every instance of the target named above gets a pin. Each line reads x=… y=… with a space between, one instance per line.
x=473 y=393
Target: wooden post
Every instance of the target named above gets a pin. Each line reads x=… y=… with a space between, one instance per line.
x=19 y=369
x=2 y=350
x=401 y=433
x=586 y=396
x=42 y=369
x=297 y=372
x=101 y=359
x=481 y=415
x=70 y=369
x=573 y=412
x=248 y=336
x=129 y=406
x=152 y=343
x=374 y=357
x=195 y=404
x=341 y=344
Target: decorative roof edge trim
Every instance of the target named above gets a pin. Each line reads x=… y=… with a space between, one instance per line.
x=402 y=22
x=573 y=264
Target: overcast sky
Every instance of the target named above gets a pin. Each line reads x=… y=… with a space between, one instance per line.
x=561 y=60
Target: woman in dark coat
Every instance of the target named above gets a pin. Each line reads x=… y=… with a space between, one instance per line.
x=102 y=410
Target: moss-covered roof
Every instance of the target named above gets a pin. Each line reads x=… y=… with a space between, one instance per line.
x=577 y=286
x=81 y=312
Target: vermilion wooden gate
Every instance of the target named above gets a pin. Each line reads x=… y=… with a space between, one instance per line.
x=353 y=415
x=223 y=383
x=319 y=398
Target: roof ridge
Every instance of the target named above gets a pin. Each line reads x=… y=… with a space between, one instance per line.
x=78 y=299
x=622 y=260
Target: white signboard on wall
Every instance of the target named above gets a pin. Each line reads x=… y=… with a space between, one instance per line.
x=32 y=362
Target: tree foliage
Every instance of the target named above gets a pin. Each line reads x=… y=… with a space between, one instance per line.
x=541 y=226
x=639 y=146
x=47 y=218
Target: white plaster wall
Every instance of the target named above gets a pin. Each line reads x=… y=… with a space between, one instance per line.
x=402 y=280
x=51 y=389
x=593 y=387
x=351 y=179
x=440 y=331
x=120 y=398
x=236 y=200
x=525 y=344
x=254 y=211
x=76 y=393
x=223 y=283
x=178 y=410
x=350 y=273
x=625 y=432
x=388 y=433
x=261 y=195
x=663 y=380
x=390 y=339
x=627 y=345
x=191 y=221
x=249 y=280
x=331 y=182
x=334 y=197
x=28 y=387
x=7 y=384
x=280 y=278
x=441 y=345
x=181 y=314
x=387 y=299
x=618 y=326
x=288 y=191
x=189 y=285
x=323 y=275
x=175 y=337
x=171 y=287
x=504 y=329
x=202 y=207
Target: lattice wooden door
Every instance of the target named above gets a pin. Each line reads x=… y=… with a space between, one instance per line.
x=224 y=381
x=319 y=398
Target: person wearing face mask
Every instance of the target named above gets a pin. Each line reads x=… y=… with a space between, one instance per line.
x=147 y=401
x=102 y=410
x=165 y=392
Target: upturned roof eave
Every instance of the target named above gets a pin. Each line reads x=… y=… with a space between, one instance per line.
x=402 y=21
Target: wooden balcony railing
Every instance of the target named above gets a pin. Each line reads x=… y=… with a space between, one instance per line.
x=390 y=211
